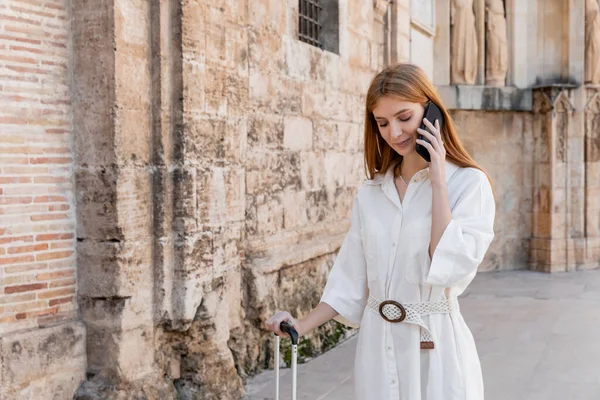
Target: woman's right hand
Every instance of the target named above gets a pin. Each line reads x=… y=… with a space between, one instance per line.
x=273 y=323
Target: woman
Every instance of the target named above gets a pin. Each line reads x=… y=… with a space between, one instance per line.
x=418 y=233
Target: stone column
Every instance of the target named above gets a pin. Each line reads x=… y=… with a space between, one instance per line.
x=479 y=7
x=400 y=34
x=441 y=43
x=592 y=178
x=557 y=243
x=118 y=140
x=380 y=26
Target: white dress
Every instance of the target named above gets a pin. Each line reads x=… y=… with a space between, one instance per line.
x=385 y=254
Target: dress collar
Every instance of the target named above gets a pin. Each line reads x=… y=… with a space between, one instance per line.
x=389 y=188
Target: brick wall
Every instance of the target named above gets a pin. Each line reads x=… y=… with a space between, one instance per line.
x=37 y=230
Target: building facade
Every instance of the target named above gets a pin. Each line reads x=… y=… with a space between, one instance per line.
x=174 y=171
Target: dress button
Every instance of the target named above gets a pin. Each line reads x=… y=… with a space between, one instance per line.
x=393 y=382
x=394 y=244
x=389 y=347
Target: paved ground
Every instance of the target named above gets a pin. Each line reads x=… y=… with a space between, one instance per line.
x=538 y=337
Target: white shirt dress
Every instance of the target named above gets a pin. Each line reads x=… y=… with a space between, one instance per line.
x=385 y=254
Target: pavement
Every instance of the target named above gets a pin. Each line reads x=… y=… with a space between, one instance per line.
x=538 y=338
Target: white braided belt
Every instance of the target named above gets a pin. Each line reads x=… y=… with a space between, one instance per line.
x=411 y=313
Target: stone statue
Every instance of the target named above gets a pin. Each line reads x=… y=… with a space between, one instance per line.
x=592 y=42
x=496 y=56
x=464 y=43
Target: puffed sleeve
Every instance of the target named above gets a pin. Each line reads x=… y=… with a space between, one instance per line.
x=467 y=237
x=346 y=287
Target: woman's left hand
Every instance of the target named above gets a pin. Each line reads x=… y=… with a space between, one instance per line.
x=437 y=152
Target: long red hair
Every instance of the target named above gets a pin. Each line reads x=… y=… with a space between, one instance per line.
x=409 y=83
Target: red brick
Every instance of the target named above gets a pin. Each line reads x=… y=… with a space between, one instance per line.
x=62 y=245
x=17 y=298
x=50 y=160
x=12 y=280
x=25 y=170
x=48 y=217
x=14 y=260
x=56 y=131
x=28 y=249
x=28 y=49
x=64 y=263
x=20 y=20
x=49 y=199
x=21 y=150
x=15 y=269
x=25 y=288
x=14 y=160
x=62 y=282
x=33 y=79
x=47 y=276
x=20 y=39
x=11 y=239
x=22 y=307
x=53 y=256
x=56 y=293
x=24 y=209
x=16 y=200
x=18 y=59
x=59 y=207
x=63 y=300
x=34 y=12
x=6 y=320
x=54 y=236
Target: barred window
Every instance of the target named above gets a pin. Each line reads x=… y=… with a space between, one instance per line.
x=318 y=24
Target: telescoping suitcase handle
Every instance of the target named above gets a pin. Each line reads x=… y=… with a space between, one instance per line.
x=286 y=327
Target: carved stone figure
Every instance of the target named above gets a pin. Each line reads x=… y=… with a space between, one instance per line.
x=592 y=42
x=464 y=43
x=496 y=56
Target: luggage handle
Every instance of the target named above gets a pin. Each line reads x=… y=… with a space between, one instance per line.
x=286 y=327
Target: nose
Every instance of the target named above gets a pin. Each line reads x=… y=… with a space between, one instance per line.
x=396 y=130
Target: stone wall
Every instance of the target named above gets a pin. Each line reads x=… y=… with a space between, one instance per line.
x=217 y=159
x=38 y=305
x=502 y=143
x=214 y=159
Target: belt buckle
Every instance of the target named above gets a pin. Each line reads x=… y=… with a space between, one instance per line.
x=395 y=304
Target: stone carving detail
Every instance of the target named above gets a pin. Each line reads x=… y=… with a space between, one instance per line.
x=562 y=107
x=592 y=41
x=592 y=129
x=496 y=57
x=562 y=125
x=464 y=47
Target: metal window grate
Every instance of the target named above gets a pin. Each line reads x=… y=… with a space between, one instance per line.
x=309 y=26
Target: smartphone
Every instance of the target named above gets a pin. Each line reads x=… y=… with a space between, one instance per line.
x=432 y=112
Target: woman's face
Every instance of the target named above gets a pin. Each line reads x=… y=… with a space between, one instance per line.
x=398 y=121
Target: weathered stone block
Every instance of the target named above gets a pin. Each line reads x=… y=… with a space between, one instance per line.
x=269 y=172
x=294 y=209
x=297 y=133
x=132 y=81
x=35 y=355
x=269 y=216
x=133 y=136
x=221 y=196
x=274 y=93
x=195 y=90
x=265 y=131
x=312 y=170
x=298 y=57
x=114 y=269
x=265 y=51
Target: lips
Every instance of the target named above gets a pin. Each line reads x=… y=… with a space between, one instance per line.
x=403 y=143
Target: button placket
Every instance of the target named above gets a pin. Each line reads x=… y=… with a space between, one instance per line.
x=395 y=229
